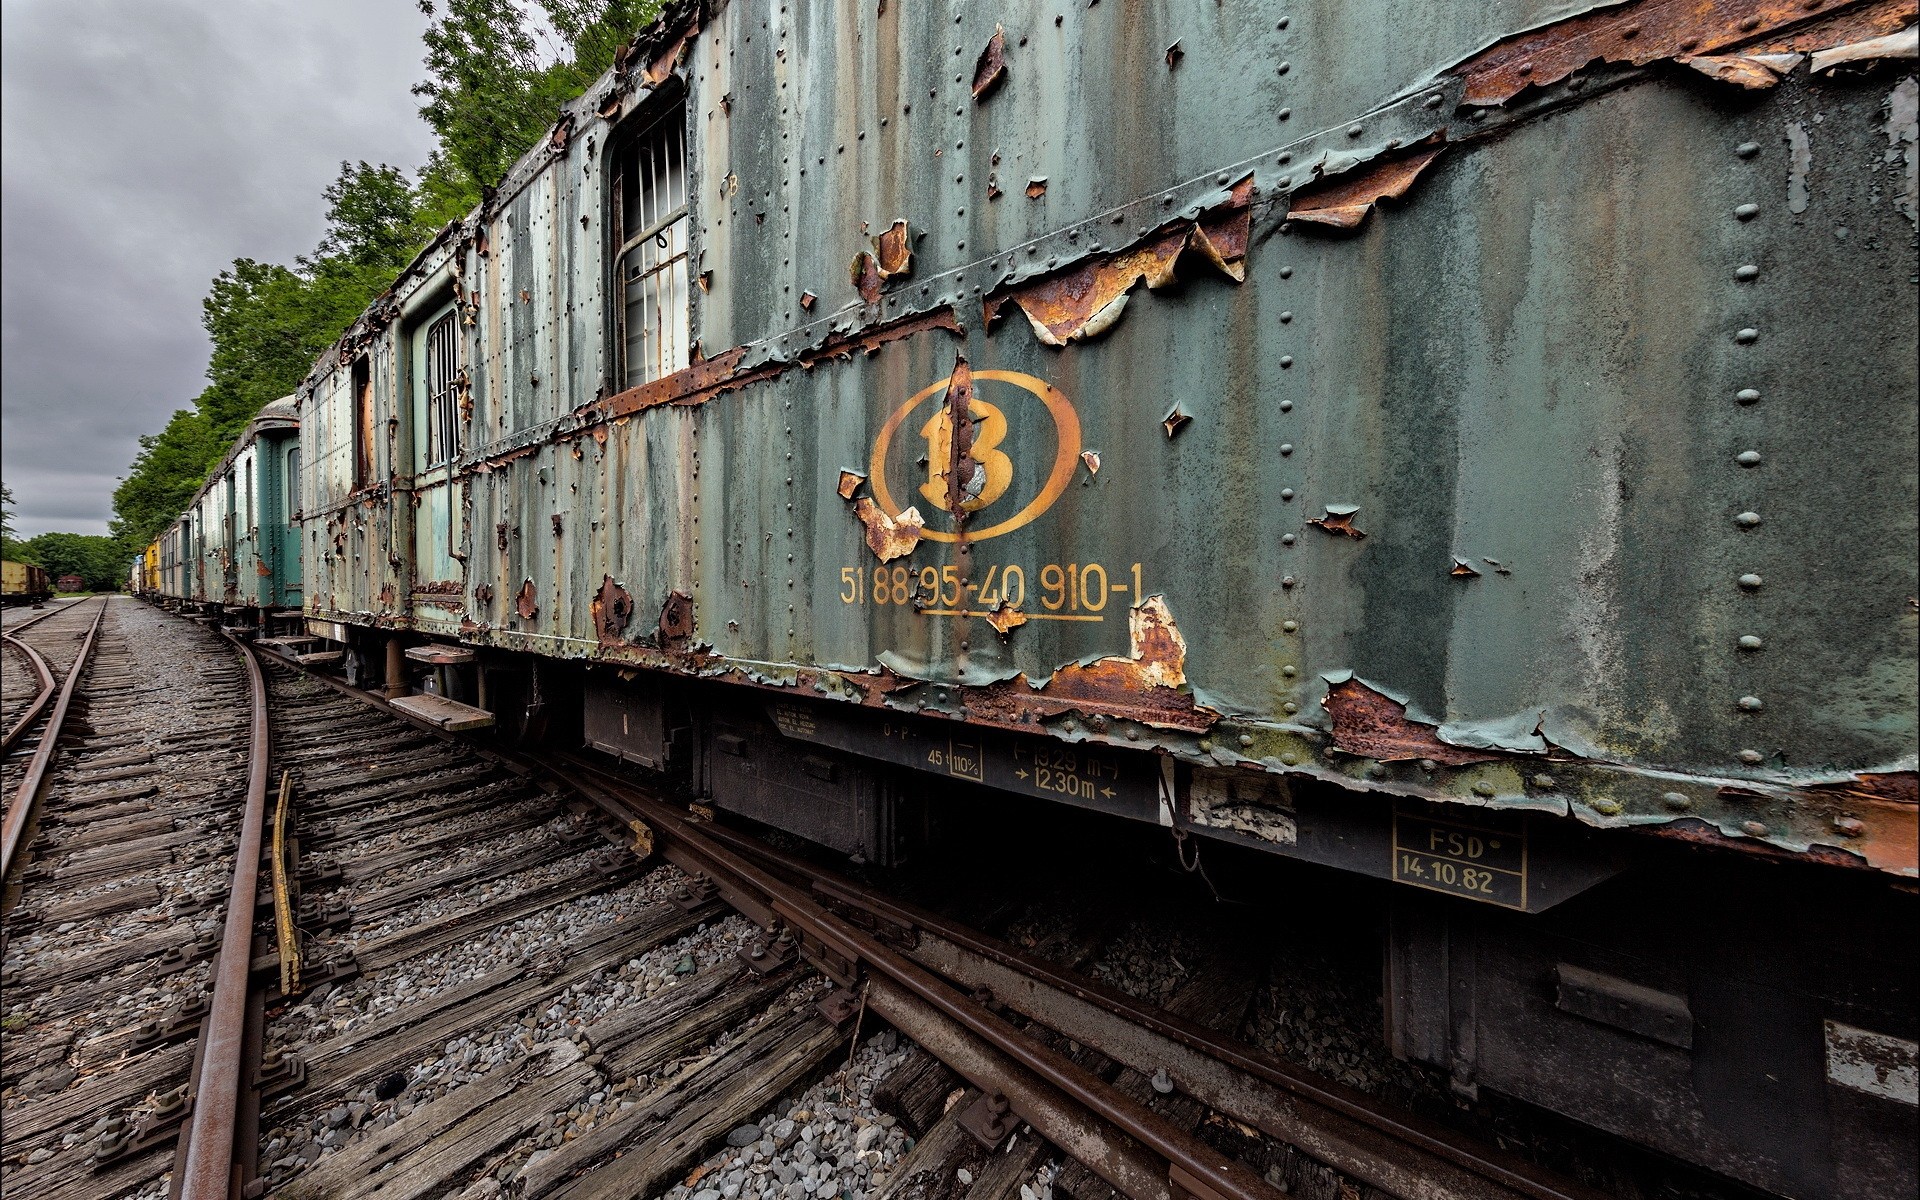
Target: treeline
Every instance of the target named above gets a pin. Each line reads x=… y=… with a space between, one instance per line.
x=497 y=73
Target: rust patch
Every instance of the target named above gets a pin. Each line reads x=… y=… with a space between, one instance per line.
x=661 y=67
x=1174 y=55
x=525 y=604
x=1092 y=459
x=960 y=468
x=1006 y=618
x=500 y=535
x=1345 y=201
x=1176 y=420
x=1085 y=301
x=1462 y=569
x=1146 y=684
x=562 y=134
x=1882 y=824
x=612 y=609
x=1036 y=187
x=716 y=376
x=893 y=251
x=1653 y=30
x=1339 y=521
x=263 y=570
x=1371 y=725
x=807 y=301
x=850 y=482
x=889 y=537
x=676 y=618
x=558 y=524
x=990 y=69
x=483 y=594
x=867 y=280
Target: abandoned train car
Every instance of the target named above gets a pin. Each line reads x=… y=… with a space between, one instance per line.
x=237 y=547
x=1438 y=456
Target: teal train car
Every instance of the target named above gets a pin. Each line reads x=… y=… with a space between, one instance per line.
x=1467 y=446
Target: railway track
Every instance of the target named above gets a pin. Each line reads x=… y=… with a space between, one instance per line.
x=469 y=973
x=116 y=892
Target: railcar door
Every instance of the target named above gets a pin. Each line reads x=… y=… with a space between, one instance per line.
x=436 y=358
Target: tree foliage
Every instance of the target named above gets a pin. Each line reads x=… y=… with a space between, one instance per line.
x=497 y=74
x=101 y=561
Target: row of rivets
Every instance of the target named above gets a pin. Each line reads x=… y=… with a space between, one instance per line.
x=1750 y=581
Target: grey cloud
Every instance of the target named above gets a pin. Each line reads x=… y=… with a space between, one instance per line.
x=146 y=145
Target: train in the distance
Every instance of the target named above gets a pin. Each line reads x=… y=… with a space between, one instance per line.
x=1471 y=446
x=24 y=583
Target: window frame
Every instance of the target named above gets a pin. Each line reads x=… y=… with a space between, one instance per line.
x=673 y=350
x=436 y=415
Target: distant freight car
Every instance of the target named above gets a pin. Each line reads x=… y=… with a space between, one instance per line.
x=23 y=583
x=1405 y=440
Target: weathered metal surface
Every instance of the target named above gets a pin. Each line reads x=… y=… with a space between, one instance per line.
x=1558 y=377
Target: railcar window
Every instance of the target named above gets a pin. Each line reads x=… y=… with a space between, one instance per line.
x=293 y=481
x=362 y=423
x=650 y=193
x=442 y=348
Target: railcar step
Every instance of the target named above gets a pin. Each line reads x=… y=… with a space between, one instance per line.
x=322 y=658
x=450 y=715
x=440 y=656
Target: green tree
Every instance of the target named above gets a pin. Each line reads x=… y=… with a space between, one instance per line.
x=496 y=78
x=102 y=562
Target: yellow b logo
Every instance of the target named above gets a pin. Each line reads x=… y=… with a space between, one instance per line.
x=992 y=470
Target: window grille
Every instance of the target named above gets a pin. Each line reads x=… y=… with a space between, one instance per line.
x=651 y=264
x=442 y=346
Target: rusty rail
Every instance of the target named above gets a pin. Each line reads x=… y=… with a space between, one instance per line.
x=206 y=1166
x=27 y=796
x=1345 y=1129
x=40 y=700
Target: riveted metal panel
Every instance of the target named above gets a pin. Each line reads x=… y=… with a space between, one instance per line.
x=1346 y=397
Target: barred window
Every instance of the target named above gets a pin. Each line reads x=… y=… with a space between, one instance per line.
x=650 y=198
x=440 y=353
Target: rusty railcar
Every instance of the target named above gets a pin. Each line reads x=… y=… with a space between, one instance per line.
x=1428 y=442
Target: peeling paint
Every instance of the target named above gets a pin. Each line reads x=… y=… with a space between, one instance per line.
x=676 y=618
x=1799 y=163
x=1903 y=142
x=1371 y=724
x=1755 y=72
x=1338 y=521
x=1892 y=47
x=612 y=609
x=849 y=485
x=1092 y=459
x=1006 y=618
x=990 y=69
x=526 y=603
x=1655 y=30
x=889 y=537
x=1085 y=301
x=1176 y=420
x=1344 y=202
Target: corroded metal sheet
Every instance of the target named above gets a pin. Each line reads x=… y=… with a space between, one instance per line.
x=1549 y=483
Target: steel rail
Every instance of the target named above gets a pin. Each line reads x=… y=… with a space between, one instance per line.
x=1192 y=1165
x=1392 y=1150
x=1339 y=1126
x=27 y=795
x=210 y=1169
x=40 y=700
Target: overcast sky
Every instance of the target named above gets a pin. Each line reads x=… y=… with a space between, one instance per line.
x=147 y=144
